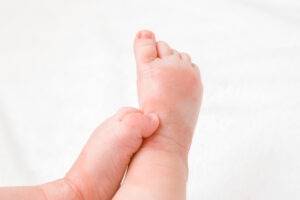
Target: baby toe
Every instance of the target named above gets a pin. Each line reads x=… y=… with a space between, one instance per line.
x=163 y=49
x=185 y=57
x=176 y=54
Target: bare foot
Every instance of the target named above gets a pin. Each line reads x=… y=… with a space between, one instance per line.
x=169 y=84
x=101 y=166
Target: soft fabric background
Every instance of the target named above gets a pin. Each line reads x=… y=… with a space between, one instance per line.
x=67 y=65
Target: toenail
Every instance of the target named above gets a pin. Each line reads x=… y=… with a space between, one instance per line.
x=145 y=35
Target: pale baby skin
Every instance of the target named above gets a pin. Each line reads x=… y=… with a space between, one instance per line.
x=136 y=153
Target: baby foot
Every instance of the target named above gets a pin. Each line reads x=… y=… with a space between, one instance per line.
x=168 y=84
x=101 y=166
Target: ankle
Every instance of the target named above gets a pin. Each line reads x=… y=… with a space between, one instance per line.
x=166 y=173
x=168 y=145
x=164 y=161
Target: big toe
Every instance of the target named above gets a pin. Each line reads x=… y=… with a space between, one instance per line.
x=145 y=47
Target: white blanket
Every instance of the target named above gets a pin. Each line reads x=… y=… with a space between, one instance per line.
x=67 y=65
